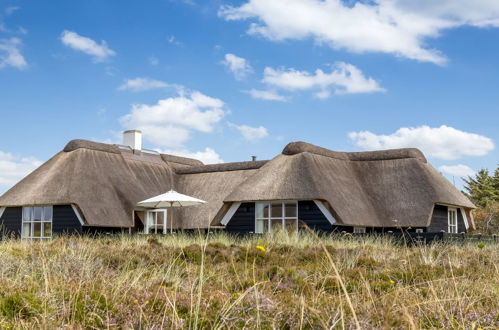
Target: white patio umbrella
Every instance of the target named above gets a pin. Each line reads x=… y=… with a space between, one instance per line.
x=169 y=200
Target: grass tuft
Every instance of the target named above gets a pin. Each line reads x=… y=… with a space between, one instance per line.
x=219 y=281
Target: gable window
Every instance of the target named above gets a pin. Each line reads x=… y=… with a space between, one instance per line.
x=271 y=217
x=452 y=218
x=37 y=222
x=359 y=230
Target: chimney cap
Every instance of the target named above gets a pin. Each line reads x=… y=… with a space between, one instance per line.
x=133 y=131
x=253 y=158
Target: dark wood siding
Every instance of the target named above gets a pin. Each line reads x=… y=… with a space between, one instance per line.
x=11 y=222
x=243 y=221
x=440 y=220
x=312 y=216
x=65 y=220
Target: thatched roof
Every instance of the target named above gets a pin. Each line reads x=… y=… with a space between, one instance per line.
x=211 y=187
x=103 y=181
x=362 y=188
x=383 y=188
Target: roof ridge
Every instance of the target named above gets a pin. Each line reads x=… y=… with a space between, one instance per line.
x=294 y=148
x=223 y=167
x=91 y=145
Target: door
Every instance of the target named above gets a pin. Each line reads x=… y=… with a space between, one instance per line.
x=156 y=222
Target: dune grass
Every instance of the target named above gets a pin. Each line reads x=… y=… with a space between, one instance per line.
x=218 y=281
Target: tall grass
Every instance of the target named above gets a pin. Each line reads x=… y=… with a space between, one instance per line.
x=220 y=281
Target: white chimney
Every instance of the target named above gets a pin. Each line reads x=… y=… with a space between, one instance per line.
x=133 y=139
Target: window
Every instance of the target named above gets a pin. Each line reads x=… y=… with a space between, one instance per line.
x=452 y=217
x=37 y=222
x=156 y=222
x=419 y=230
x=276 y=216
x=359 y=230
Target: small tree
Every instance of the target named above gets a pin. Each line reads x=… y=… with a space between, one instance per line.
x=480 y=189
x=483 y=190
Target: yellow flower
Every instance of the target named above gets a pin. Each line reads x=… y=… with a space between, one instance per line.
x=392 y=282
x=261 y=248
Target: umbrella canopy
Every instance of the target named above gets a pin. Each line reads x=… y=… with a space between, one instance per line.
x=170 y=199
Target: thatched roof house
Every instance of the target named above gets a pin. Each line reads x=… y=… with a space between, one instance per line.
x=96 y=186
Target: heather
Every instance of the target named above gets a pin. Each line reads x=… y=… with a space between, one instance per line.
x=218 y=281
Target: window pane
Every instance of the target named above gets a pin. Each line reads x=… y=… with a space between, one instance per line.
x=262 y=210
x=290 y=210
x=37 y=229
x=47 y=229
x=159 y=222
x=291 y=226
x=26 y=230
x=151 y=219
x=276 y=210
x=160 y=218
x=262 y=226
x=37 y=213
x=47 y=213
x=27 y=213
x=275 y=225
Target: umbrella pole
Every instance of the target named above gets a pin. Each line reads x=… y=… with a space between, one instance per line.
x=171 y=220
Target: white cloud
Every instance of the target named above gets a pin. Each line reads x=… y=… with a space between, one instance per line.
x=142 y=84
x=398 y=27
x=442 y=142
x=266 y=95
x=208 y=156
x=10 y=10
x=343 y=79
x=458 y=170
x=251 y=133
x=153 y=60
x=10 y=54
x=172 y=40
x=169 y=122
x=13 y=168
x=239 y=66
x=100 y=52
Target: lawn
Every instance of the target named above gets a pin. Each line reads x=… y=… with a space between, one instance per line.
x=182 y=281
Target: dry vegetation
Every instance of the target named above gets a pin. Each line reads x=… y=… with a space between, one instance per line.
x=275 y=282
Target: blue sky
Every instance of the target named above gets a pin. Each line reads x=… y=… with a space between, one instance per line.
x=224 y=80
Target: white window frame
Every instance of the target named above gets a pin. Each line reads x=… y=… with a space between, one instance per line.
x=30 y=222
x=152 y=228
x=269 y=219
x=359 y=230
x=419 y=230
x=452 y=220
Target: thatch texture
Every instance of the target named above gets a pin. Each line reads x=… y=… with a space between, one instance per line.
x=211 y=187
x=84 y=144
x=223 y=167
x=363 y=189
x=386 y=189
x=294 y=148
x=104 y=185
x=181 y=160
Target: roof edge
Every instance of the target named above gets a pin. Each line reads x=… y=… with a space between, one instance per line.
x=223 y=167
x=294 y=148
x=181 y=160
x=85 y=144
